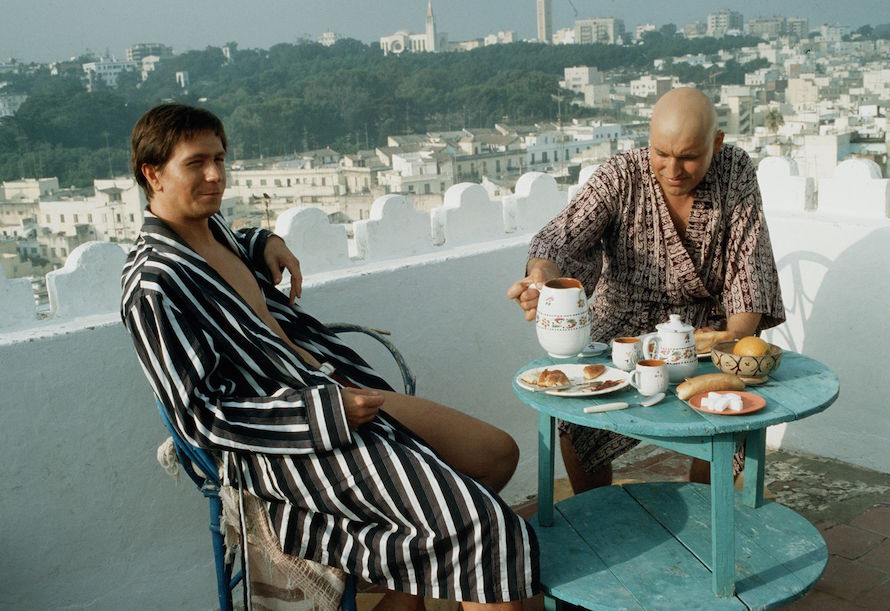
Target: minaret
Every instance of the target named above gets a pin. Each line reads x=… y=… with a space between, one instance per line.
x=545 y=21
x=432 y=38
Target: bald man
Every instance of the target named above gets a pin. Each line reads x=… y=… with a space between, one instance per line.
x=675 y=228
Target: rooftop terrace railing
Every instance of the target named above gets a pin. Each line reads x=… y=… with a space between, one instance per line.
x=90 y=519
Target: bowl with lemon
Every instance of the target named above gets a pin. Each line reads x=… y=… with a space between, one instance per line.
x=750 y=358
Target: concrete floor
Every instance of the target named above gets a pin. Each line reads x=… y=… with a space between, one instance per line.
x=849 y=505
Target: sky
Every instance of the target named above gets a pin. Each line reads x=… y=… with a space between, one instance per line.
x=50 y=30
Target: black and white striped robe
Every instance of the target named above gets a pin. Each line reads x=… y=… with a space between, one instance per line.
x=376 y=502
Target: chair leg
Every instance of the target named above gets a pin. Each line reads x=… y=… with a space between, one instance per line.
x=347 y=603
x=223 y=570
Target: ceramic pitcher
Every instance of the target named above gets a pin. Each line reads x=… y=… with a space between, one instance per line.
x=563 y=321
x=674 y=343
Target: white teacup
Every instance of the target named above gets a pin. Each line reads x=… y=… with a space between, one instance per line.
x=650 y=377
x=626 y=352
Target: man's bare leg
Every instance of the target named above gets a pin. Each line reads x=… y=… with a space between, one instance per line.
x=700 y=471
x=580 y=479
x=473 y=447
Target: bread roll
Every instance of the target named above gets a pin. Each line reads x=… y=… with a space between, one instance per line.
x=553 y=377
x=709 y=382
x=591 y=372
x=705 y=340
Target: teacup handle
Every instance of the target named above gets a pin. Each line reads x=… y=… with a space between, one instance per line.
x=634 y=378
x=650 y=339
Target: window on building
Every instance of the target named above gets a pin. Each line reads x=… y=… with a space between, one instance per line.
x=262 y=182
x=117 y=217
x=497 y=165
x=132 y=218
x=426 y=187
x=410 y=188
x=52 y=251
x=76 y=219
x=544 y=157
x=89 y=218
x=442 y=187
x=61 y=218
x=63 y=252
x=249 y=182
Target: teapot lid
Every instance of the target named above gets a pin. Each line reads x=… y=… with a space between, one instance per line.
x=675 y=324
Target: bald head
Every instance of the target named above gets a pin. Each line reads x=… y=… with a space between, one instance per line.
x=683 y=139
x=685 y=113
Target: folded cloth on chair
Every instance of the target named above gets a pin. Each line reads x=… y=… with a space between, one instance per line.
x=278 y=580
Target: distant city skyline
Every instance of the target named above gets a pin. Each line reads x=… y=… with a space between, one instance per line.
x=51 y=30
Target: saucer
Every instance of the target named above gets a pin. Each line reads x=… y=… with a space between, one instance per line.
x=594 y=348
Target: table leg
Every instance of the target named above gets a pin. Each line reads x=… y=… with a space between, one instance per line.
x=546 y=428
x=755 y=459
x=722 y=518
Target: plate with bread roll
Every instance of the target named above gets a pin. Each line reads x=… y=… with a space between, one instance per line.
x=719 y=393
x=705 y=340
x=573 y=379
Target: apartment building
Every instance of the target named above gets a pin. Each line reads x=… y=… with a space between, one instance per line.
x=107 y=71
x=722 y=22
x=602 y=30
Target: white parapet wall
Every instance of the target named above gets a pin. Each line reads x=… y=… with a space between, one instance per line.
x=91 y=520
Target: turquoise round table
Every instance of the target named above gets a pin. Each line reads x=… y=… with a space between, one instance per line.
x=680 y=545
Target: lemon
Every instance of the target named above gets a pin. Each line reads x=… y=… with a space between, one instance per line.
x=751 y=346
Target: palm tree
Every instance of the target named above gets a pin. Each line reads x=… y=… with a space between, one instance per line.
x=773 y=120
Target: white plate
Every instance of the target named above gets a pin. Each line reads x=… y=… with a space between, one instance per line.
x=594 y=348
x=575 y=373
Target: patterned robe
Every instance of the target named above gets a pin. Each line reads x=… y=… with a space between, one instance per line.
x=617 y=237
x=376 y=502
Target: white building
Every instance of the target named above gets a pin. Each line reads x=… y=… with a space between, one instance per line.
x=877 y=82
x=10 y=103
x=328 y=39
x=30 y=189
x=107 y=71
x=500 y=38
x=602 y=30
x=576 y=77
x=765 y=27
x=802 y=93
x=723 y=22
x=141 y=50
x=651 y=86
x=431 y=41
x=643 y=28
x=114 y=212
x=564 y=36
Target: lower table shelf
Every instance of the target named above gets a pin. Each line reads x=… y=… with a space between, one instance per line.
x=648 y=546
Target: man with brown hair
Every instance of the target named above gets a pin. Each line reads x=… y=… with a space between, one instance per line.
x=395 y=489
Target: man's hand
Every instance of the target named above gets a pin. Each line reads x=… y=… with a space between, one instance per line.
x=278 y=257
x=360 y=405
x=526 y=291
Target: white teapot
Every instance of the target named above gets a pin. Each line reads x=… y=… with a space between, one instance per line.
x=673 y=343
x=562 y=321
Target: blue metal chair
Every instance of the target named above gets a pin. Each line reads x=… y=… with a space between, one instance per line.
x=203 y=471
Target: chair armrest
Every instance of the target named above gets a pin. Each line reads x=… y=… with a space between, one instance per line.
x=408 y=379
